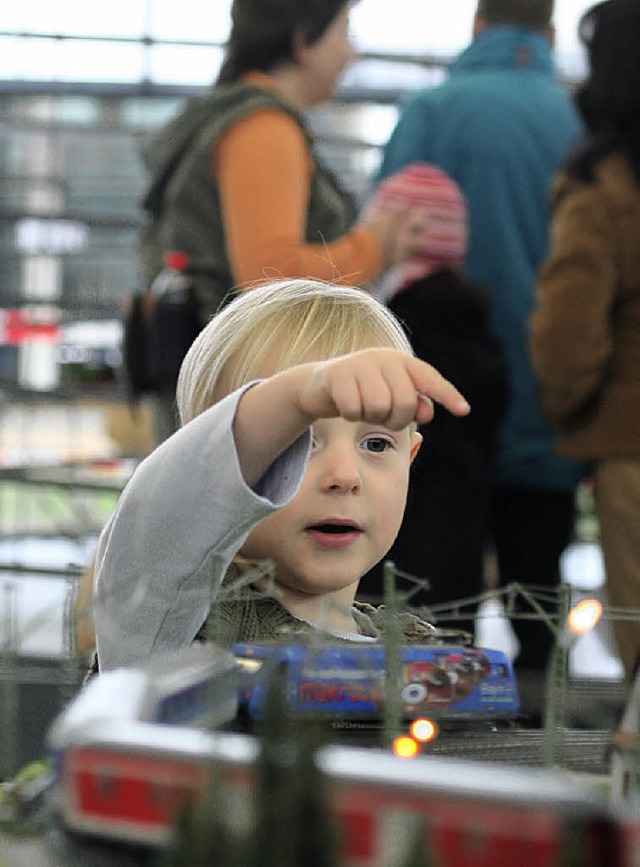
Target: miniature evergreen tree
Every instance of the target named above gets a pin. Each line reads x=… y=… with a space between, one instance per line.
x=574 y=847
x=202 y=838
x=420 y=854
x=292 y=825
x=293 y=828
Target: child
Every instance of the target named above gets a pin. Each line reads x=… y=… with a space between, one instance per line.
x=298 y=402
x=444 y=533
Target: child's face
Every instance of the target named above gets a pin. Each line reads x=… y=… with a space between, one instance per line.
x=347 y=512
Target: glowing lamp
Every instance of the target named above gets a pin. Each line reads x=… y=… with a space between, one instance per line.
x=584 y=616
x=405 y=747
x=424 y=730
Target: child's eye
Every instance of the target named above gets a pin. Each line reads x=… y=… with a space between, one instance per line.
x=376 y=444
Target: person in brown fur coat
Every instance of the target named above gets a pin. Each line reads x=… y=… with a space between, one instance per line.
x=585 y=332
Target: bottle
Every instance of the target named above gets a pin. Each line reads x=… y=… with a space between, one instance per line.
x=172 y=283
x=175 y=322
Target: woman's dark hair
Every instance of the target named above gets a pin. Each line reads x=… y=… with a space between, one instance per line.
x=609 y=99
x=262 y=32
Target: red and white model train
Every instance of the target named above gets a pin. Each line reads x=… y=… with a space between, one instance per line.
x=121 y=777
x=128 y=782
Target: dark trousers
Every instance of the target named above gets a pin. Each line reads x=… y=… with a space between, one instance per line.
x=531 y=529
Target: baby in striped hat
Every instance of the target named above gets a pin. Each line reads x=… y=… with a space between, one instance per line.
x=426 y=188
x=447 y=318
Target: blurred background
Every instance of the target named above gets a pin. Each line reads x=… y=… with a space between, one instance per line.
x=80 y=84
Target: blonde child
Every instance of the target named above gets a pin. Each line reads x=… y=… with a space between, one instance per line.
x=299 y=403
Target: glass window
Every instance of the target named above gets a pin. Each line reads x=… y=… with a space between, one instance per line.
x=146 y=112
x=190 y=20
x=421 y=28
x=80 y=18
x=71 y=170
x=44 y=59
x=184 y=64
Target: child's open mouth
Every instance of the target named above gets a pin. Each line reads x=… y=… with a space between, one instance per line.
x=334 y=534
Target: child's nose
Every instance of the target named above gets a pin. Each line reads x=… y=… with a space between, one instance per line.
x=341 y=470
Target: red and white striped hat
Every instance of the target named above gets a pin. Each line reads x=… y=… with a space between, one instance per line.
x=425 y=186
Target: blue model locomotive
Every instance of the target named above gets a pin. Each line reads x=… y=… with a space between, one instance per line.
x=350 y=680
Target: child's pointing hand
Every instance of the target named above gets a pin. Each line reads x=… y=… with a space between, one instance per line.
x=382 y=385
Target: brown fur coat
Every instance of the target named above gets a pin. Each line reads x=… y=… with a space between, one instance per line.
x=585 y=332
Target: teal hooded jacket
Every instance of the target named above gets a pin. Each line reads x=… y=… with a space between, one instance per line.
x=501 y=125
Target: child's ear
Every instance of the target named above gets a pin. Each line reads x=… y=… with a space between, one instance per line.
x=415 y=443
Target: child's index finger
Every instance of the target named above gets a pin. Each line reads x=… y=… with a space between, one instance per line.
x=432 y=386
x=457 y=404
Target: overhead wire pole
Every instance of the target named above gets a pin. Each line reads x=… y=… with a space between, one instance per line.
x=556 y=684
x=392 y=651
x=563 y=627
x=8 y=687
x=393 y=644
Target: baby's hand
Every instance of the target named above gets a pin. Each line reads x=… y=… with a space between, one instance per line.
x=400 y=232
x=383 y=386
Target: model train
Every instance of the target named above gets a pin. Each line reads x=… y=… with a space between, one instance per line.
x=124 y=771
x=209 y=686
x=128 y=781
x=347 y=681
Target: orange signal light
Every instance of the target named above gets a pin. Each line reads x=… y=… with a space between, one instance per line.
x=584 y=616
x=424 y=730
x=405 y=747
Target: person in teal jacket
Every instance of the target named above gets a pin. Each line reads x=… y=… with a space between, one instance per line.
x=501 y=125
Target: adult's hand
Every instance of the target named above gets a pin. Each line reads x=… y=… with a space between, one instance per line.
x=401 y=233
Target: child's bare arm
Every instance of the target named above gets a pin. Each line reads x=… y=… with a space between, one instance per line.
x=383 y=386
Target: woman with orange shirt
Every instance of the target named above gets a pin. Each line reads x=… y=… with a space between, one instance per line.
x=235 y=179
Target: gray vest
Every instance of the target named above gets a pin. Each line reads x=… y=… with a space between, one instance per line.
x=182 y=201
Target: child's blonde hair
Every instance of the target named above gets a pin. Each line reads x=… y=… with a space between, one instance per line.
x=276 y=326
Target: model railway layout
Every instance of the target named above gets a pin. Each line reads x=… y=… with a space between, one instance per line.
x=136 y=747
